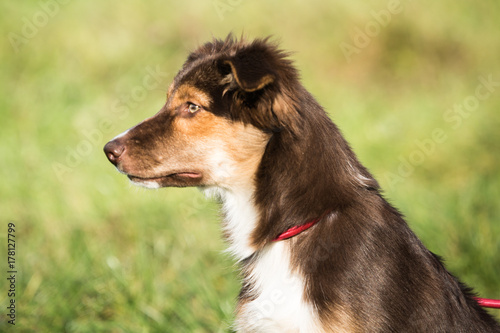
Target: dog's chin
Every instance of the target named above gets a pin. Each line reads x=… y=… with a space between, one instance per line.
x=180 y=179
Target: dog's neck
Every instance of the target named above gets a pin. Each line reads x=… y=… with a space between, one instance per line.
x=240 y=219
x=305 y=172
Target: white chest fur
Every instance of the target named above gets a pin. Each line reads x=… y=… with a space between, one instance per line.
x=240 y=219
x=279 y=305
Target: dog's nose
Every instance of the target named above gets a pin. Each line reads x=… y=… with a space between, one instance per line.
x=113 y=150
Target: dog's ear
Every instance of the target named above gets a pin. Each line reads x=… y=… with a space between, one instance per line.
x=248 y=76
x=250 y=69
x=261 y=78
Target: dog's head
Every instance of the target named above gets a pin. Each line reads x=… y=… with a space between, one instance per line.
x=221 y=110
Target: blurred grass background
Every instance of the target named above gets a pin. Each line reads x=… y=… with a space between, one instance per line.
x=95 y=254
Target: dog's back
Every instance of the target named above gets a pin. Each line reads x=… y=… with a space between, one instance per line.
x=239 y=124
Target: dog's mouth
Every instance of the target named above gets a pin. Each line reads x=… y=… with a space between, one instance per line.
x=187 y=176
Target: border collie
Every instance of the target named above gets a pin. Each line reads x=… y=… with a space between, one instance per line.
x=320 y=249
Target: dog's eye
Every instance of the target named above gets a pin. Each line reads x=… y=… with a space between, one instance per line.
x=193 y=108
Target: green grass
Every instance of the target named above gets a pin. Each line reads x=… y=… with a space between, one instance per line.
x=97 y=255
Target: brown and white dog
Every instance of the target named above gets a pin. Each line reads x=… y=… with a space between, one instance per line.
x=239 y=125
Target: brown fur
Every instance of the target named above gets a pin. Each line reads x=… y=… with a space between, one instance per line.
x=364 y=269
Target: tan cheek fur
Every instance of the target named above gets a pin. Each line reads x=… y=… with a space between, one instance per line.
x=246 y=149
x=228 y=152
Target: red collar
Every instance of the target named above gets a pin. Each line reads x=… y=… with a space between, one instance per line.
x=293 y=231
x=488 y=303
